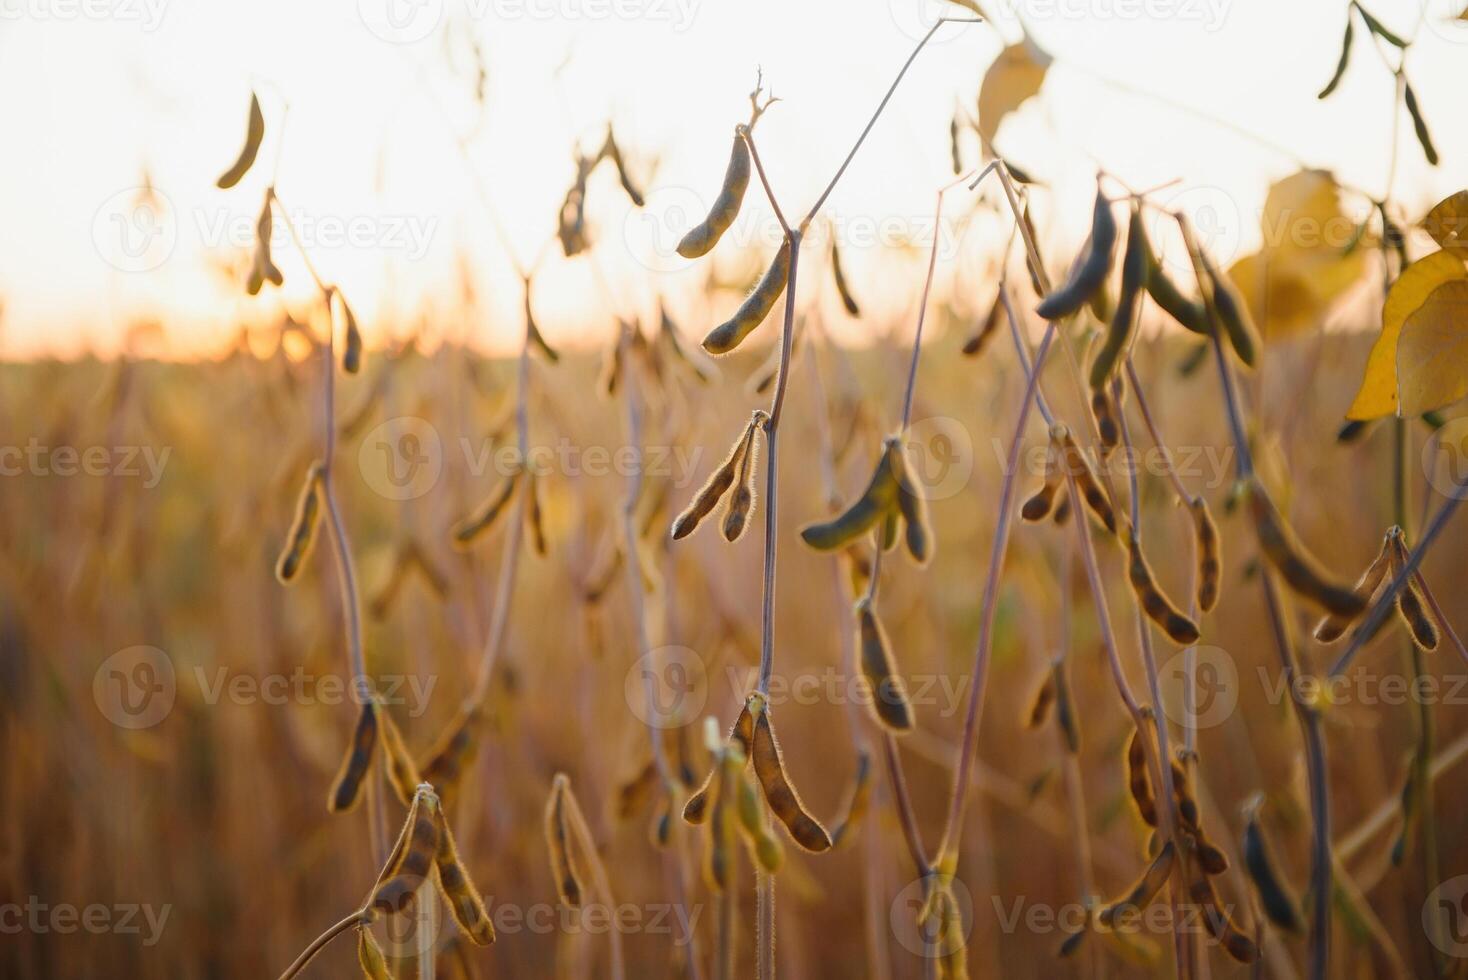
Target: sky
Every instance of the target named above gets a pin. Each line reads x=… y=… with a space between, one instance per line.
x=405 y=185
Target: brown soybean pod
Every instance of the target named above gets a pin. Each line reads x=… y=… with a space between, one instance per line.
x=1233 y=311
x=713 y=489
x=303 y=528
x=1219 y=925
x=467 y=531
x=980 y=339
x=1065 y=715
x=1138 y=781
x=780 y=794
x=1062 y=508
x=706 y=234
x=842 y=288
x=889 y=701
x=1105 y=415
x=401 y=770
x=1409 y=601
x=633 y=795
x=1298 y=571
x=876 y=503
x=1189 y=313
x=452 y=756
x=1089 y=274
x=1159 y=609
x=1079 y=468
x=369 y=956
x=345 y=789
x=912 y=504
x=254 y=135
x=741 y=501
x=1275 y=897
x=533 y=336
x=1123 y=318
x=263 y=268
x=1041 y=703
x=1143 y=890
x=1210 y=554
x=534 y=518
x=1210 y=858
x=415 y=861
x=742 y=731
x=1182 y=793
x=1332 y=627
x=558 y=840
x=458 y=890
x=1038 y=506
x=352 y=348
x=857 y=800
x=752 y=312
x=719 y=852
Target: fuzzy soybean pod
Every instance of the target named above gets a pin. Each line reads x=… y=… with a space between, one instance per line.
x=1210 y=554
x=1233 y=313
x=1065 y=715
x=974 y=345
x=1333 y=627
x=708 y=496
x=1188 y=312
x=752 y=312
x=1158 y=607
x=352 y=343
x=912 y=503
x=1139 y=783
x=1409 y=602
x=741 y=501
x=1079 y=468
x=345 y=789
x=1042 y=702
x=876 y=502
x=1294 y=566
x=742 y=731
x=780 y=794
x=369 y=956
x=414 y=855
x=1275 y=898
x=889 y=700
x=453 y=754
x=858 y=798
x=463 y=899
x=842 y=288
x=558 y=840
x=1143 y=890
x=472 y=528
x=706 y=234
x=1089 y=274
x=303 y=528
x=254 y=134
x=263 y=268
x=1124 y=317
x=402 y=771
x=1037 y=507
x=768 y=852
x=1220 y=924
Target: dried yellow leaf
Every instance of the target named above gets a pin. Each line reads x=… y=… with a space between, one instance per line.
x=1432 y=351
x=1016 y=74
x=1447 y=223
x=1377 y=397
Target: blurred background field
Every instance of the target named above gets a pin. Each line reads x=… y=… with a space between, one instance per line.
x=217 y=811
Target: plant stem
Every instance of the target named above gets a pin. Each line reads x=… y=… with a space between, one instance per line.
x=357 y=918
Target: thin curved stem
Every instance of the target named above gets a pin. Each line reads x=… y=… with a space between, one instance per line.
x=357 y=918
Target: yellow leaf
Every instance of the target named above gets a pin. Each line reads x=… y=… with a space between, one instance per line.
x=1447 y=223
x=1302 y=266
x=1432 y=352
x=1378 y=394
x=1016 y=74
